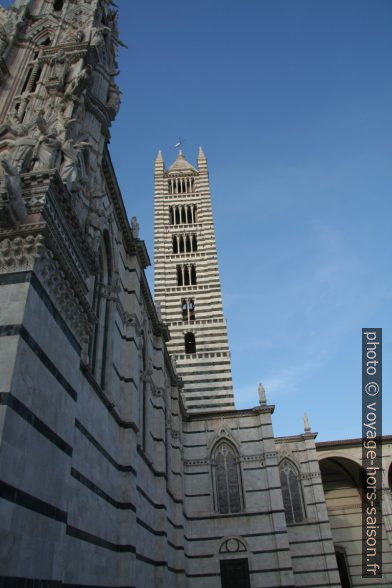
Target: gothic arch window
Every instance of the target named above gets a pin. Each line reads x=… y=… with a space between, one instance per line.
x=194 y=243
x=291 y=492
x=99 y=340
x=181 y=244
x=175 y=244
x=190 y=343
x=34 y=69
x=188 y=247
x=227 y=478
x=178 y=217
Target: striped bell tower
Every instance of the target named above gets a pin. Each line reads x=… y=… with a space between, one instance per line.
x=187 y=284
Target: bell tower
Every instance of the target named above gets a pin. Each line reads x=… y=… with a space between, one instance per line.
x=187 y=284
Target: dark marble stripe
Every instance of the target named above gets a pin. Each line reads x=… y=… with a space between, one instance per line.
x=22 y=277
x=101 y=493
x=7 y=399
x=100 y=448
x=10 y=330
x=90 y=538
x=14 y=582
x=26 y=500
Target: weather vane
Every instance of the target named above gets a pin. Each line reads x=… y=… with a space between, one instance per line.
x=179 y=143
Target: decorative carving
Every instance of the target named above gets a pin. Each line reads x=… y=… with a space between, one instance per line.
x=232 y=545
x=78 y=83
x=59 y=68
x=12 y=187
x=20 y=253
x=47 y=150
x=73 y=167
x=62 y=293
x=135 y=227
x=262 y=396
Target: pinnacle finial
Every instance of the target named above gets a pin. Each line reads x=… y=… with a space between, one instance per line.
x=306 y=424
x=201 y=154
x=159 y=156
x=262 y=396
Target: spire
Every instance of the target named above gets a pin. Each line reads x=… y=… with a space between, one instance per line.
x=159 y=164
x=201 y=161
x=201 y=154
x=306 y=423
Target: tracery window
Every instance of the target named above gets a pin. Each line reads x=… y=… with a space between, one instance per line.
x=291 y=492
x=227 y=478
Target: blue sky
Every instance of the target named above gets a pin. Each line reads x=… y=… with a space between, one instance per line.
x=291 y=102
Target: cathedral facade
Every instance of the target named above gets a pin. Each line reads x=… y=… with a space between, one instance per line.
x=123 y=461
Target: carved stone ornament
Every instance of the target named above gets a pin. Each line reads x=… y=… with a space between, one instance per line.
x=29 y=253
x=20 y=253
x=232 y=545
x=60 y=290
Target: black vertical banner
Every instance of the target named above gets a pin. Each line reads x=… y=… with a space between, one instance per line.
x=371 y=453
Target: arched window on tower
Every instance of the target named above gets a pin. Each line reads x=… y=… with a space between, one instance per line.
x=180 y=281
x=186 y=276
x=291 y=492
x=191 y=309
x=193 y=275
x=188 y=244
x=178 y=217
x=227 y=478
x=181 y=244
x=183 y=215
x=175 y=244
x=184 y=309
x=171 y=215
x=190 y=343
x=194 y=243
